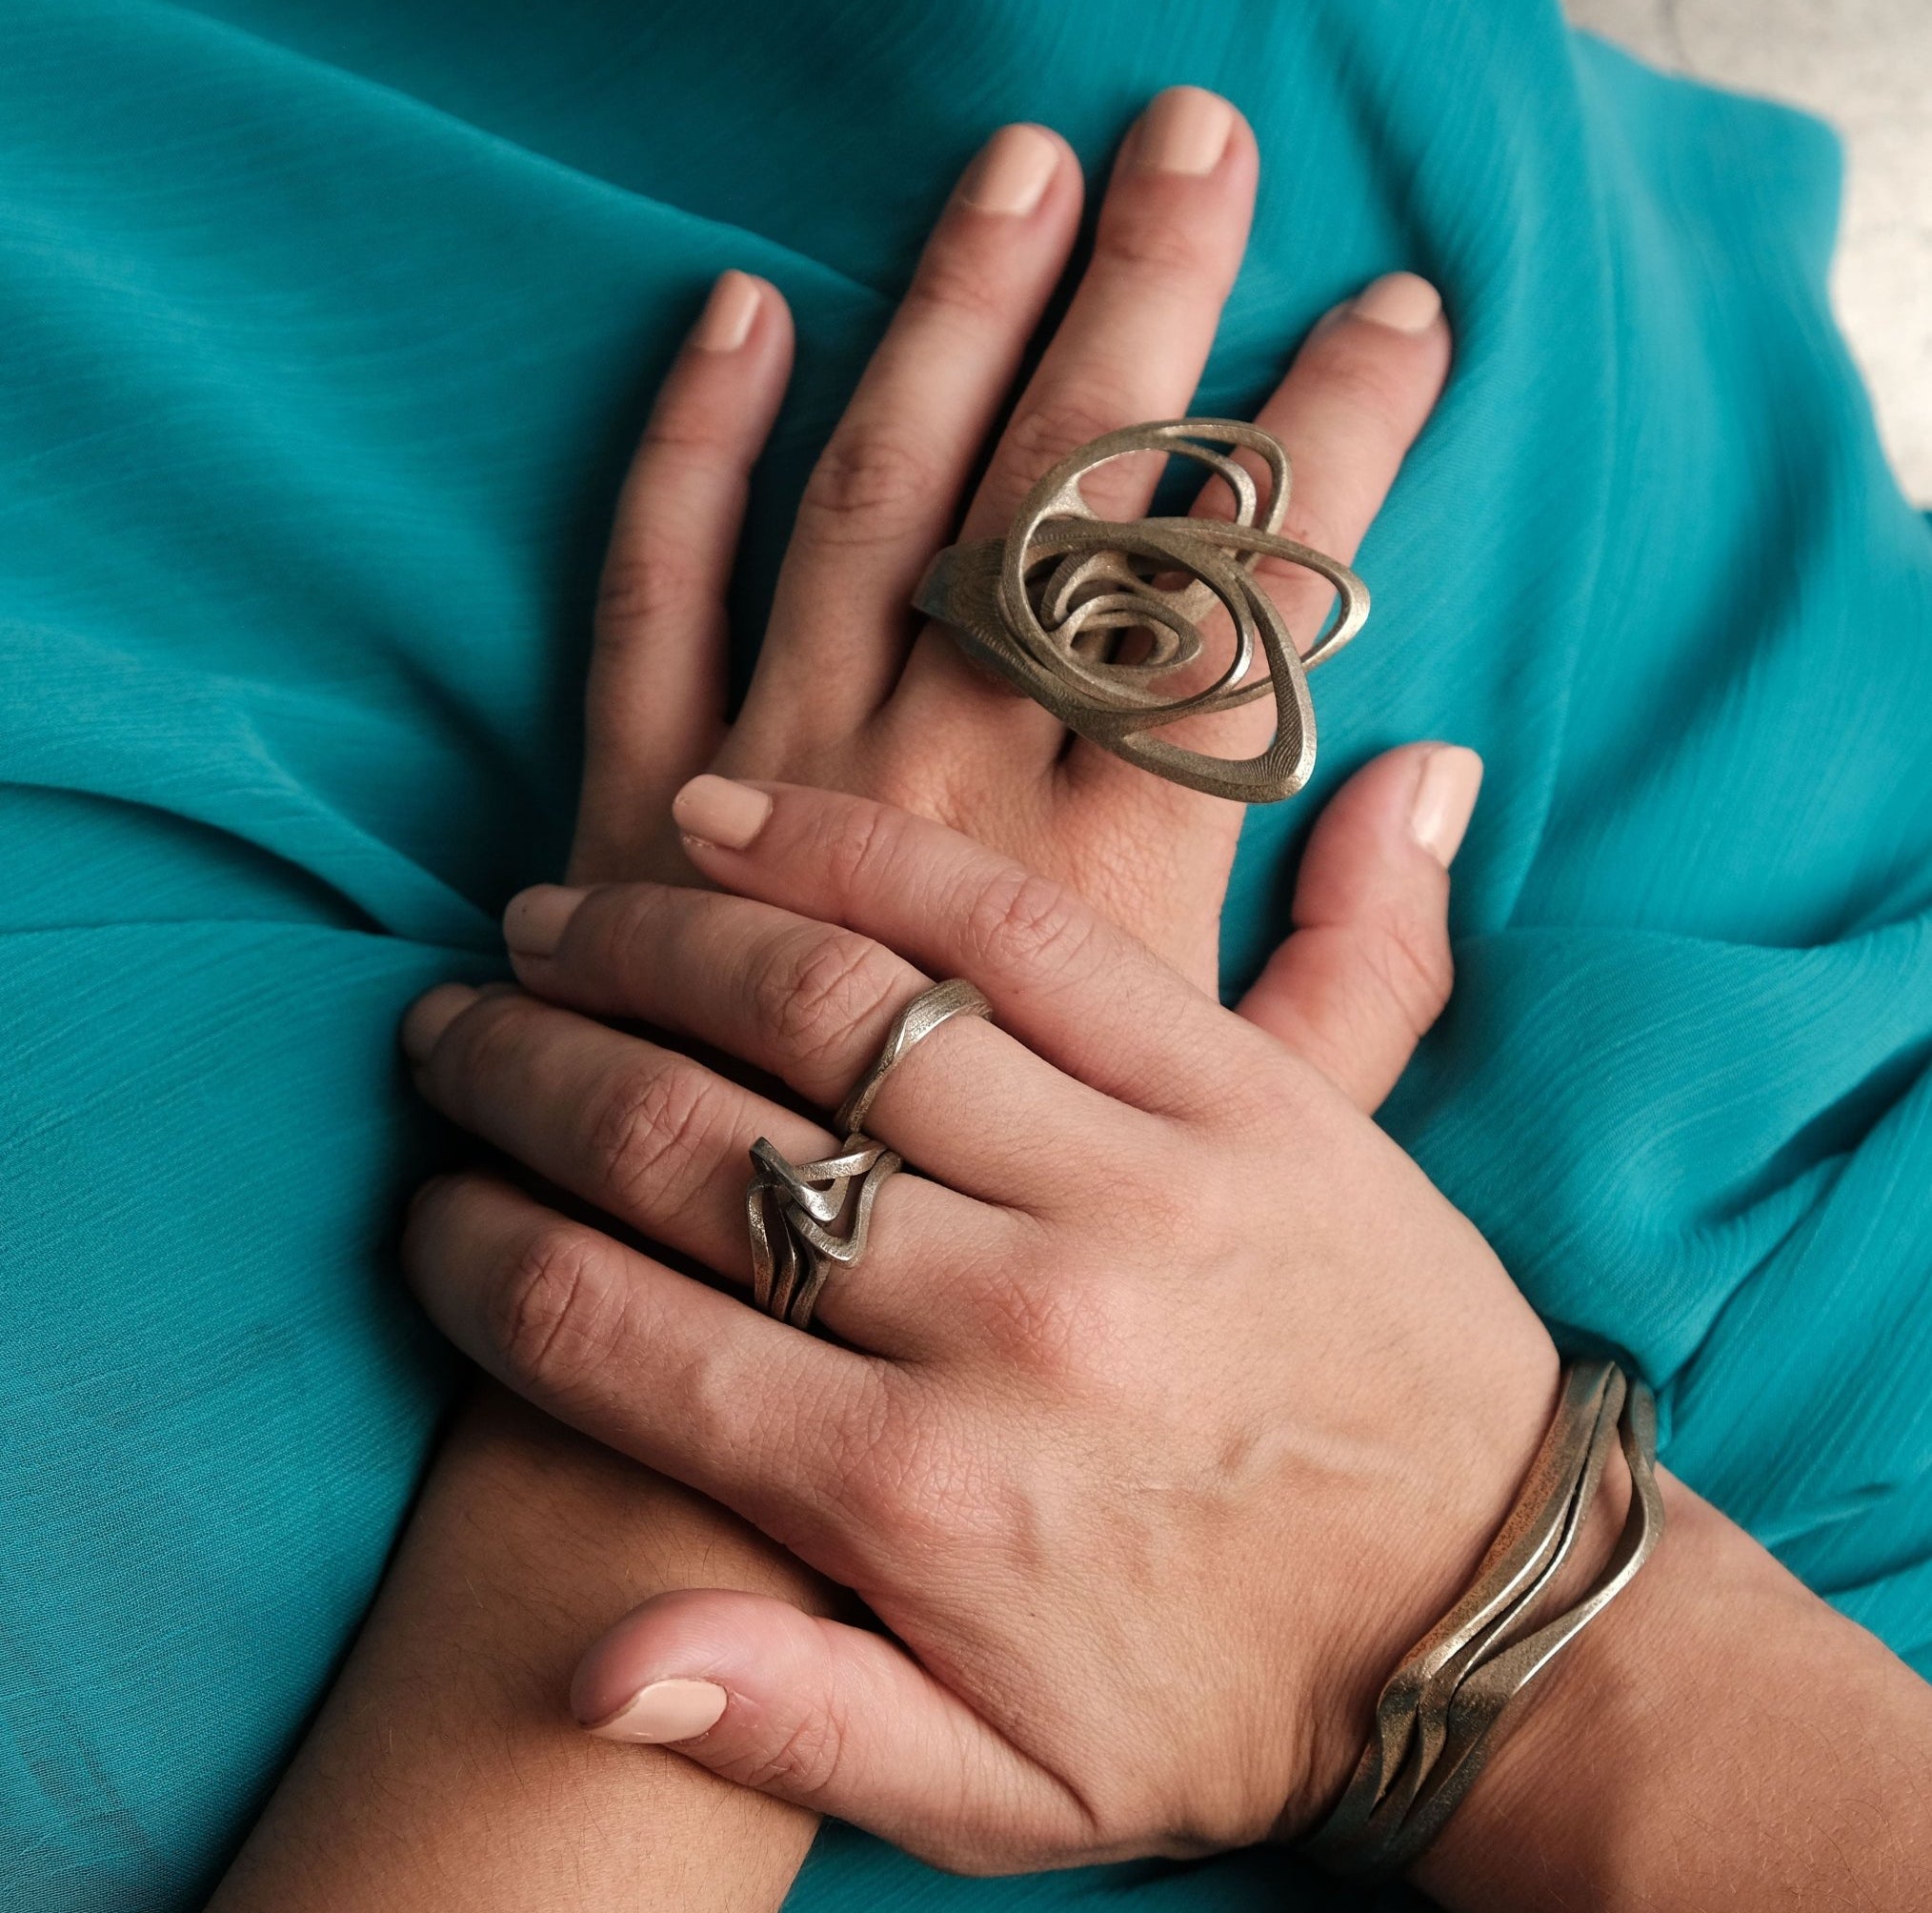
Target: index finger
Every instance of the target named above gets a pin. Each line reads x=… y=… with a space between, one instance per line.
x=1079 y=992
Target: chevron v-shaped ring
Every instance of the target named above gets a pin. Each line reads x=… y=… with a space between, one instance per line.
x=807 y=1219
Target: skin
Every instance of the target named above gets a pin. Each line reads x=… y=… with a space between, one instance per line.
x=445 y=1763
x=1141 y=1576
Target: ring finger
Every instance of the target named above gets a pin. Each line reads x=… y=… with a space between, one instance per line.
x=662 y=1144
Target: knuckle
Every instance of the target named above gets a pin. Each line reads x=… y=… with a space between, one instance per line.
x=556 y=1313
x=1045 y=431
x=684 y=435
x=957 y=282
x=820 y=989
x=857 y=844
x=870 y=485
x=803 y=1763
x=1409 y=959
x=484 y=1045
x=1364 y=376
x=1024 y=921
x=651 y=1134
x=646 y=585
x=1153 y=246
x=621 y=931
x=1061 y=1327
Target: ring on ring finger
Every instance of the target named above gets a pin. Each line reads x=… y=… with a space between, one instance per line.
x=806 y=1219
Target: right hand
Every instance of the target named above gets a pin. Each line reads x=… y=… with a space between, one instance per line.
x=1159 y=1421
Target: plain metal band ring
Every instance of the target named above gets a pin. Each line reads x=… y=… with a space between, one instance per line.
x=913 y=1024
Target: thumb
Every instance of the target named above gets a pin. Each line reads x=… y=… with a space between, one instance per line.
x=1367 y=968
x=825 y=1716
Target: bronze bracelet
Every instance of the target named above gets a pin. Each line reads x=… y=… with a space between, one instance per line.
x=1438 y=1718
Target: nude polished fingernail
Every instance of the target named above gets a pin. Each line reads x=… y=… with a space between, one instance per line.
x=666 y=1710
x=534 y=920
x=726 y=322
x=430 y=1015
x=1184 y=130
x=716 y=810
x=1445 y=796
x=1406 y=302
x=1012 y=172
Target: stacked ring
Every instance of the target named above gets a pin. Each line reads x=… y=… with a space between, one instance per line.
x=807 y=1219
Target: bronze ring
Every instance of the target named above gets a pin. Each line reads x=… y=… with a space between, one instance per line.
x=807 y=1217
x=913 y=1024
x=1043 y=608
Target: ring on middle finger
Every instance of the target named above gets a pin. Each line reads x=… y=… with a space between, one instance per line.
x=1042 y=608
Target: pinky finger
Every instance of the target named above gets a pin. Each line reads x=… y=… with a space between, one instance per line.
x=654 y=709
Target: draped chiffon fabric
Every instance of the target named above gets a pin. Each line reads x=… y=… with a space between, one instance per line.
x=328 y=326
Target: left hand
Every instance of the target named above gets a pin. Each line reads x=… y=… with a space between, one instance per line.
x=852 y=691
x=1167 y=1415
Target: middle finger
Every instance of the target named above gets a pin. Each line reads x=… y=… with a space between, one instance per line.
x=1131 y=347
x=888 y=480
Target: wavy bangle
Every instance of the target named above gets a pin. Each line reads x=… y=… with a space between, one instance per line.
x=1438 y=1718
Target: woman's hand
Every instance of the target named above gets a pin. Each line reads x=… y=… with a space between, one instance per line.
x=1170 y=1409
x=852 y=691
x=444 y=1753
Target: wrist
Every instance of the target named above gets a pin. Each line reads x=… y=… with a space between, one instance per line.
x=1601 y=1712
x=1718 y=1740
x=1423 y=1531
x=447 y=1753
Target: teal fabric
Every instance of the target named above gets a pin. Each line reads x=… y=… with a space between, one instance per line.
x=327 y=325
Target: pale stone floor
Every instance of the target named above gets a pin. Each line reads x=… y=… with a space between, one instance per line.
x=1867 y=66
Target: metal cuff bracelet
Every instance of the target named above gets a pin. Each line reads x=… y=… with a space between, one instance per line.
x=1435 y=1723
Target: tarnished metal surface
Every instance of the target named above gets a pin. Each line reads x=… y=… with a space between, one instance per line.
x=913 y=1024
x=807 y=1218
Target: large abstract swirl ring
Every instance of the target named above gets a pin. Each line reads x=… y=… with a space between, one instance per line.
x=1048 y=605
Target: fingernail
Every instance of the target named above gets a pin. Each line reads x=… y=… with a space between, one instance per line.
x=1011 y=171
x=726 y=321
x=1184 y=130
x=430 y=1015
x=1445 y=795
x=534 y=920
x=666 y=1710
x=716 y=810
x=1404 y=302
